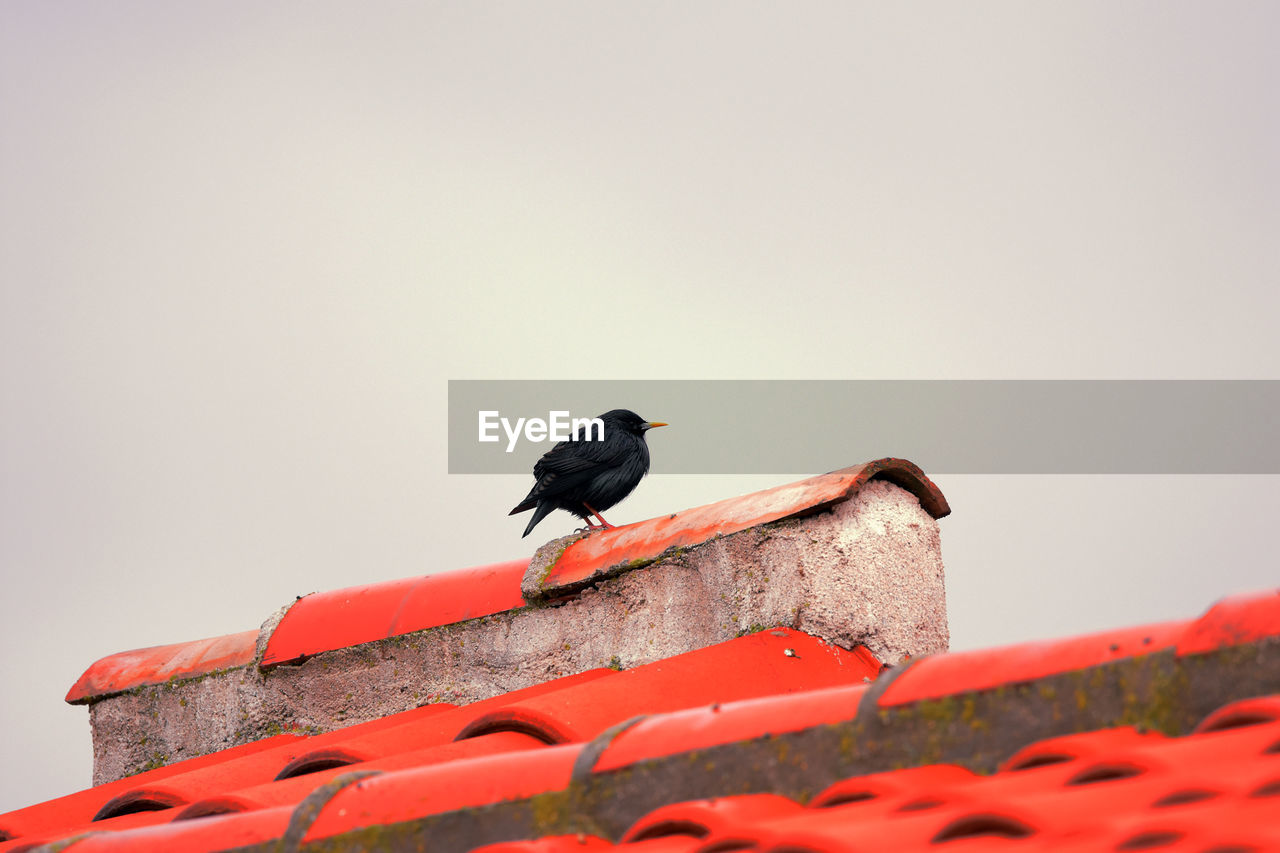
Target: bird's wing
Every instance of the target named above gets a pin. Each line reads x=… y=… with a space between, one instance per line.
x=568 y=465
x=570 y=459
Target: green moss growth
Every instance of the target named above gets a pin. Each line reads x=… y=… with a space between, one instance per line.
x=152 y=691
x=154 y=762
x=551 y=813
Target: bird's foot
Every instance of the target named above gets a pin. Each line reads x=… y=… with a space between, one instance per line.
x=603 y=525
x=592 y=528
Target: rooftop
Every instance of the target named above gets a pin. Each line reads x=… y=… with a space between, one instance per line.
x=733 y=677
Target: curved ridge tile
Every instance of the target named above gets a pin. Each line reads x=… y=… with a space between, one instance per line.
x=208 y=834
x=780 y=661
x=578 y=843
x=957 y=672
x=159 y=664
x=893 y=786
x=1245 y=712
x=1232 y=621
x=684 y=731
x=403 y=795
x=633 y=545
x=716 y=820
x=1082 y=746
x=191 y=779
x=325 y=621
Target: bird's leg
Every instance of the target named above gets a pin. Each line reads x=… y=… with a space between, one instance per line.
x=604 y=525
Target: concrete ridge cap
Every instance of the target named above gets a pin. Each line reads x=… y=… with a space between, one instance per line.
x=371 y=612
x=569 y=563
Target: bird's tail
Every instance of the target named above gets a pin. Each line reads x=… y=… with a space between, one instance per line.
x=540 y=513
x=524 y=506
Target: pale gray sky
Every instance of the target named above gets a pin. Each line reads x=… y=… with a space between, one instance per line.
x=243 y=246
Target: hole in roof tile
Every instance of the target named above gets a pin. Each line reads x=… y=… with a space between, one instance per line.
x=921 y=805
x=1105 y=773
x=1044 y=759
x=1185 y=796
x=1150 y=840
x=1274 y=749
x=845 y=798
x=501 y=721
x=667 y=828
x=1267 y=789
x=1235 y=720
x=314 y=762
x=6 y=836
x=133 y=802
x=982 y=825
x=729 y=845
x=209 y=808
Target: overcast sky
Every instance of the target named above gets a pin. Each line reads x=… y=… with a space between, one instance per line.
x=244 y=245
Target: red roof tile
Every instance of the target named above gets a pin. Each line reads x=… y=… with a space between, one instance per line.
x=1232 y=621
x=574 y=708
x=346 y=617
x=1076 y=747
x=716 y=821
x=914 y=811
x=580 y=843
x=1248 y=712
x=159 y=664
x=82 y=807
x=635 y=544
x=895 y=787
x=409 y=794
x=942 y=675
x=715 y=725
x=773 y=741
x=1236 y=620
x=750 y=666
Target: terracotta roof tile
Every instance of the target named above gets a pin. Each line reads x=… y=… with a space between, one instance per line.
x=712 y=715
x=1231 y=622
x=82 y=806
x=159 y=664
x=717 y=821
x=572 y=708
x=942 y=675
x=317 y=623
x=719 y=724
x=346 y=617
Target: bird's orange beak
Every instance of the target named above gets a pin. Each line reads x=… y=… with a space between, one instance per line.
x=653 y=424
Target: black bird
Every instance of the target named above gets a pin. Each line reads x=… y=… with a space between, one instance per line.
x=587 y=477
